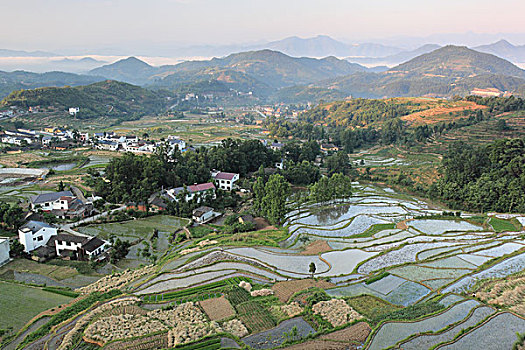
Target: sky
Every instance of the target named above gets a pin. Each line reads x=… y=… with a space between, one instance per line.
x=136 y=25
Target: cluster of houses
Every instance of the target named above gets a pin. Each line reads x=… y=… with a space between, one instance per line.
x=104 y=141
x=21 y=137
x=43 y=241
x=130 y=143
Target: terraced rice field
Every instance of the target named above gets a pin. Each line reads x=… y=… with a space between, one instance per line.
x=397 y=264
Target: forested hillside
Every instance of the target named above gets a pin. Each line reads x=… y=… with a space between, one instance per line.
x=108 y=98
x=485 y=178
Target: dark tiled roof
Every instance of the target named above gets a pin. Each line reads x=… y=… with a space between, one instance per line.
x=93 y=244
x=50 y=197
x=70 y=238
x=225 y=176
x=35 y=226
x=200 y=211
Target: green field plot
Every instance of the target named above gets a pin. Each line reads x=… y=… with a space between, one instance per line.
x=255 y=316
x=19 y=304
x=500 y=225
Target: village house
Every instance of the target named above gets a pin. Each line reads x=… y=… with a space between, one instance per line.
x=203 y=214
x=329 y=147
x=78 y=246
x=61 y=204
x=4 y=250
x=35 y=234
x=276 y=146
x=224 y=181
x=107 y=145
x=197 y=191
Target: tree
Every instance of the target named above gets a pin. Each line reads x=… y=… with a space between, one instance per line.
x=120 y=250
x=273 y=204
x=321 y=191
x=61 y=186
x=312 y=268
x=337 y=163
x=16 y=249
x=341 y=185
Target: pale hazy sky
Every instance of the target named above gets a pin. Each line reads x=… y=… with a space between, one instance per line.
x=64 y=24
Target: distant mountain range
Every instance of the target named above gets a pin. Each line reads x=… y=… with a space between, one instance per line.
x=272 y=76
x=443 y=72
x=20 y=53
x=395 y=59
x=505 y=50
x=322 y=46
x=256 y=71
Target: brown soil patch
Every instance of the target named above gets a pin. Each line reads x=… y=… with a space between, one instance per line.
x=402 y=225
x=355 y=333
x=284 y=290
x=263 y=224
x=440 y=113
x=321 y=345
x=217 y=308
x=316 y=247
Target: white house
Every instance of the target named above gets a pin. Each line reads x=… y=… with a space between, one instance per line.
x=108 y=145
x=74 y=110
x=4 y=250
x=203 y=214
x=51 y=201
x=94 y=247
x=224 y=181
x=197 y=190
x=65 y=244
x=175 y=142
x=81 y=247
x=35 y=234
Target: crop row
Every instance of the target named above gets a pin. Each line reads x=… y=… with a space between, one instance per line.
x=194 y=292
x=255 y=316
x=208 y=344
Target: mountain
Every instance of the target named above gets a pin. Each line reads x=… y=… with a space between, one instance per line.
x=77 y=65
x=457 y=61
x=256 y=71
x=397 y=58
x=448 y=71
x=10 y=81
x=322 y=46
x=319 y=46
x=106 y=98
x=19 y=53
x=505 y=50
x=130 y=70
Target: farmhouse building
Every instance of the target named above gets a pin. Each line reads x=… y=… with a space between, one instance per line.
x=188 y=193
x=203 y=214
x=224 y=181
x=35 y=234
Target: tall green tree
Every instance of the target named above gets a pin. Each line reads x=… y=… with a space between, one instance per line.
x=276 y=192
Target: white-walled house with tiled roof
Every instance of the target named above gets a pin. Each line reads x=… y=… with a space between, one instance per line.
x=224 y=181
x=35 y=234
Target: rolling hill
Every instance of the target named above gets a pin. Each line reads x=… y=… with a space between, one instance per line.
x=396 y=58
x=505 y=50
x=257 y=71
x=457 y=62
x=107 y=98
x=445 y=72
x=11 y=81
